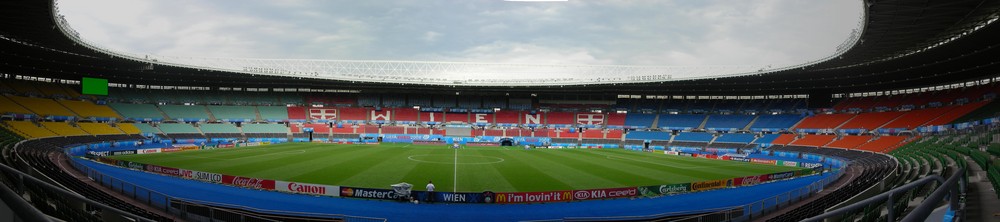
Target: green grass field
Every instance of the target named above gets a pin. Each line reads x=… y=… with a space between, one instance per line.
x=476 y=168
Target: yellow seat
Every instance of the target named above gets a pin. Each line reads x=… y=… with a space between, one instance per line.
x=89 y=109
x=129 y=128
x=43 y=107
x=29 y=129
x=99 y=129
x=9 y=106
x=63 y=129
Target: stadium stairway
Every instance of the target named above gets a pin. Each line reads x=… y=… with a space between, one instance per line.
x=754 y=120
x=703 y=122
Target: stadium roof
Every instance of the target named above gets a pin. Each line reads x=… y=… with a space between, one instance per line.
x=902 y=44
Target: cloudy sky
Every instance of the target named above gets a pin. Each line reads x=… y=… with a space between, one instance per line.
x=633 y=32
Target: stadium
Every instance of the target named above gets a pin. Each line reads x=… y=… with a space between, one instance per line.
x=901 y=123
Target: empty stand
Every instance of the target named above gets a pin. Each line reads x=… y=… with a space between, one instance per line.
x=647 y=135
x=264 y=128
x=735 y=138
x=29 y=129
x=178 y=112
x=694 y=137
x=89 y=109
x=233 y=113
x=272 y=113
x=824 y=121
x=43 y=107
x=681 y=121
x=814 y=140
x=99 y=128
x=883 y=144
x=219 y=128
x=728 y=121
x=507 y=117
x=849 y=142
x=778 y=122
x=177 y=128
x=638 y=120
x=560 y=118
x=297 y=113
x=146 y=128
x=138 y=111
x=9 y=106
x=915 y=118
x=405 y=114
x=783 y=139
x=870 y=121
x=129 y=128
x=63 y=129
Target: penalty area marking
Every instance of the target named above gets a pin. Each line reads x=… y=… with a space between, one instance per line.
x=416 y=158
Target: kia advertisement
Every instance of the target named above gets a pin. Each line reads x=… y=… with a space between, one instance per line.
x=534 y=197
x=163 y=170
x=307 y=188
x=605 y=193
x=247 y=182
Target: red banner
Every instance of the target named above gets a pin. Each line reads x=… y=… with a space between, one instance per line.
x=751 y=180
x=168 y=150
x=604 y=193
x=163 y=170
x=254 y=183
x=534 y=197
x=763 y=161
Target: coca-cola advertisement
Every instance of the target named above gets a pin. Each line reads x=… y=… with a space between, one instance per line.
x=307 y=188
x=751 y=180
x=247 y=182
x=604 y=193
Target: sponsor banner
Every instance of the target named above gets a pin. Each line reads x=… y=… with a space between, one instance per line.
x=122 y=152
x=148 y=151
x=307 y=188
x=108 y=161
x=203 y=176
x=804 y=172
x=783 y=175
x=131 y=165
x=368 y=193
x=788 y=163
x=741 y=159
x=535 y=197
x=751 y=180
x=164 y=170
x=709 y=185
x=186 y=148
x=675 y=153
x=99 y=153
x=763 y=161
x=605 y=193
x=428 y=142
x=482 y=144
x=725 y=158
x=684 y=154
x=458 y=197
x=247 y=182
x=226 y=145
x=811 y=165
x=652 y=191
x=170 y=150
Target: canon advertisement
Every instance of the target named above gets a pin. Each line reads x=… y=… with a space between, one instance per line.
x=307 y=188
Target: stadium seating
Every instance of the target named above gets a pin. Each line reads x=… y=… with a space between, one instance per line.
x=766 y=138
x=776 y=122
x=138 y=111
x=915 y=118
x=273 y=113
x=9 y=106
x=614 y=134
x=29 y=129
x=146 y=128
x=615 y=120
x=419 y=100
x=507 y=117
x=264 y=128
x=171 y=128
x=405 y=114
x=824 y=121
x=129 y=128
x=814 y=140
x=218 y=128
x=234 y=113
x=784 y=139
x=389 y=100
x=353 y=114
x=956 y=113
x=99 y=129
x=43 y=107
x=88 y=109
x=883 y=144
x=694 y=137
x=593 y=134
x=560 y=118
x=728 y=121
x=641 y=121
x=63 y=129
x=177 y=112
x=647 y=135
x=870 y=121
x=849 y=142
x=681 y=121
x=735 y=138
x=457 y=117
x=393 y=130
x=444 y=101
x=297 y=113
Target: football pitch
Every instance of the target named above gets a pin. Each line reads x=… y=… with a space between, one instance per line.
x=469 y=169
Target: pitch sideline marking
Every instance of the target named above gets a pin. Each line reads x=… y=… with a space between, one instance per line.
x=455 y=186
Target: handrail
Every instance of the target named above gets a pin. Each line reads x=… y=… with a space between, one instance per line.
x=20 y=207
x=72 y=195
x=918 y=214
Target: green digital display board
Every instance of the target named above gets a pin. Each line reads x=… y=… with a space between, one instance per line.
x=94 y=86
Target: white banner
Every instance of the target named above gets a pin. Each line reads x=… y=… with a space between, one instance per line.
x=307 y=188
